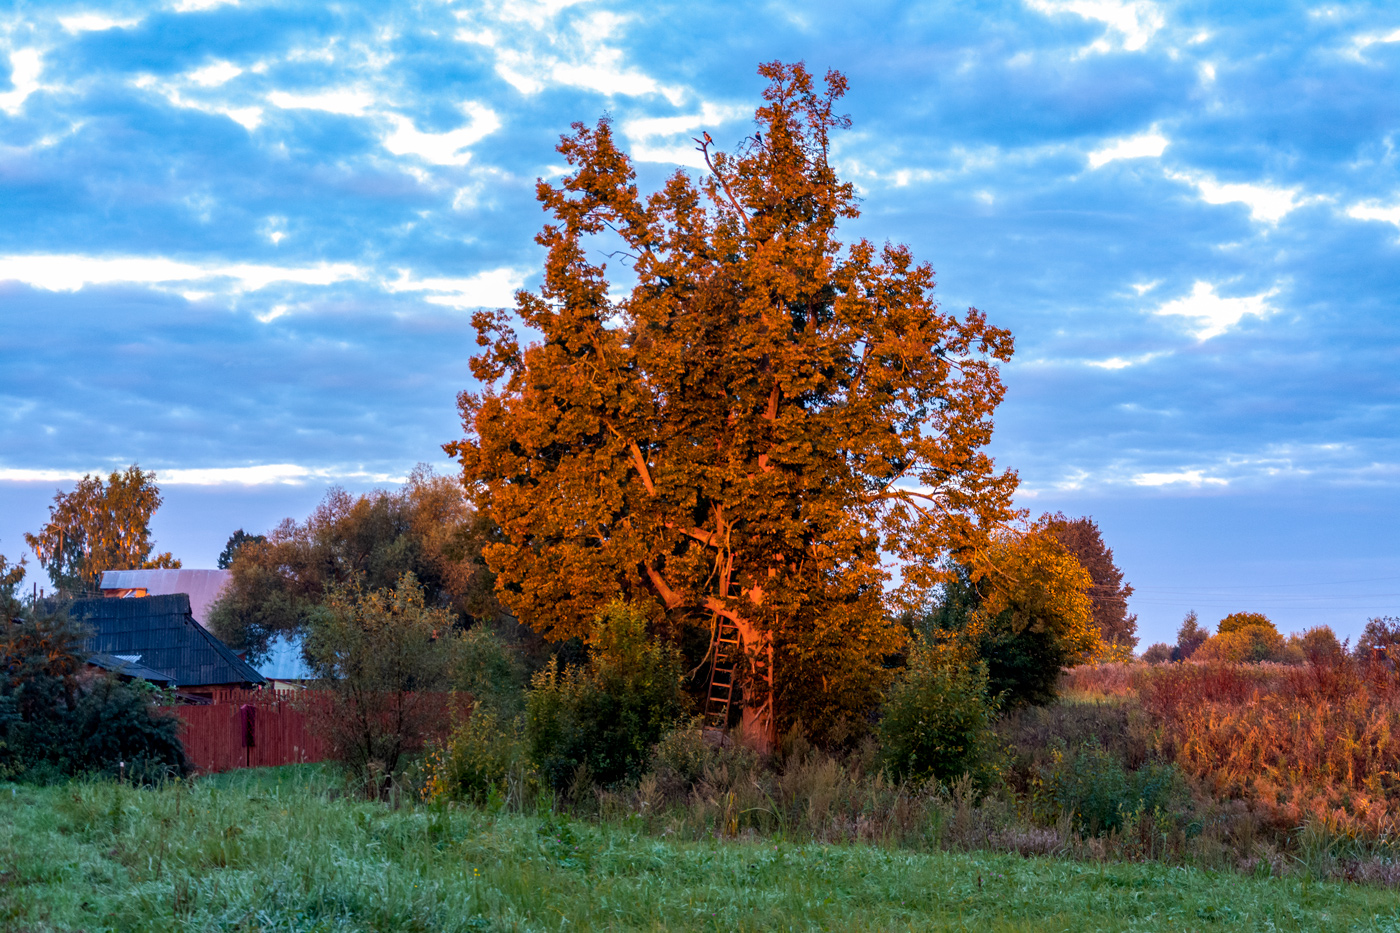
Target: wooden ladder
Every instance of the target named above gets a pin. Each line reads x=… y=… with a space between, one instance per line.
x=721 y=696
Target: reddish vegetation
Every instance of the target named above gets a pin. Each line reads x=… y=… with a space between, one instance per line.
x=1318 y=742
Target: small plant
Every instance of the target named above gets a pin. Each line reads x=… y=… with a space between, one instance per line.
x=1099 y=795
x=938 y=721
x=477 y=759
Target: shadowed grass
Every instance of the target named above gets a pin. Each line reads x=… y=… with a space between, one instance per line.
x=279 y=849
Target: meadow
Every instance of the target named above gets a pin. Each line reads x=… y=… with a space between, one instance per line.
x=287 y=850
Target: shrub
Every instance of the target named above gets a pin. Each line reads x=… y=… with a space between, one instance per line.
x=386 y=660
x=938 y=721
x=491 y=672
x=56 y=720
x=606 y=715
x=116 y=723
x=1159 y=653
x=1099 y=794
x=476 y=760
x=1319 y=645
x=680 y=757
x=1381 y=632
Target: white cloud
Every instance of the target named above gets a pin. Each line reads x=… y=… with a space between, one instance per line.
x=346 y=101
x=247 y=117
x=1123 y=362
x=672 y=139
x=41 y=476
x=269 y=474
x=1364 y=41
x=1144 y=145
x=214 y=74
x=494 y=288
x=284 y=474
x=71 y=273
x=533 y=52
x=1215 y=315
x=199 y=6
x=1135 y=21
x=263 y=475
x=94 y=22
x=1266 y=204
x=1372 y=210
x=25 y=67
x=441 y=148
x=1187 y=477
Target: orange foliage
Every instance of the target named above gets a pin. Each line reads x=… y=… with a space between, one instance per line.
x=1305 y=742
x=766 y=418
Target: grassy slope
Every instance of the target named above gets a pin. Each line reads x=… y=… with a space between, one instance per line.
x=273 y=850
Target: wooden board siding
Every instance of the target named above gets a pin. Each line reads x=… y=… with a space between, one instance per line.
x=213 y=734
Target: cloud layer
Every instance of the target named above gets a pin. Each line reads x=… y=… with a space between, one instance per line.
x=240 y=242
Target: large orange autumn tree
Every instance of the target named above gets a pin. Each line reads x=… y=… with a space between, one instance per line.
x=765 y=425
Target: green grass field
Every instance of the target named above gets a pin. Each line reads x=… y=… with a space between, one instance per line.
x=278 y=849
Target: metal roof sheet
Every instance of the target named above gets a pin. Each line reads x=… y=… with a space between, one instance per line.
x=130 y=668
x=201 y=586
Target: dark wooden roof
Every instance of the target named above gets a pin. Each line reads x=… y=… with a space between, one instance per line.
x=162 y=635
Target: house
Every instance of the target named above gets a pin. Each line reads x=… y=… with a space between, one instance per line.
x=284 y=668
x=202 y=586
x=159 y=634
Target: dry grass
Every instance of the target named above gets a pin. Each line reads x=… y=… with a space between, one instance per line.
x=1317 y=743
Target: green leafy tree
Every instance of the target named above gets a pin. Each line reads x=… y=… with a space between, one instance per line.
x=1190 y=636
x=10 y=577
x=1381 y=635
x=1109 y=593
x=385 y=658
x=100 y=526
x=765 y=423
x=234 y=544
x=425 y=528
x=1023 y=609
x=1239 y=620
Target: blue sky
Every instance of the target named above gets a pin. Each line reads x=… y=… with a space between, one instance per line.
x=240 y=242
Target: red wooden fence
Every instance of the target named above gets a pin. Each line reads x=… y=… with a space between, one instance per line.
x=250 y=729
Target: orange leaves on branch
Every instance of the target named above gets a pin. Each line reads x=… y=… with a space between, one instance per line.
x=752 y=432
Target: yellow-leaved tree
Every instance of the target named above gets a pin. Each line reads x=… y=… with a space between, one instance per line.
x=100 y=526
x=751 y=435
x=1023 y=605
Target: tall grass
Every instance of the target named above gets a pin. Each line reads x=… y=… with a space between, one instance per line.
x=1315 y=745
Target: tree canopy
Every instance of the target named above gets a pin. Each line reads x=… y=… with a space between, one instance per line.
x=234 y=543
x=10 y=577
x=99 y=527
x=1082 y=538
x=1023 y=607
x=753 y=432
x=425 y=528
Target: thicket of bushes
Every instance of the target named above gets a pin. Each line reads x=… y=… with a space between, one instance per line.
x=58 y=719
